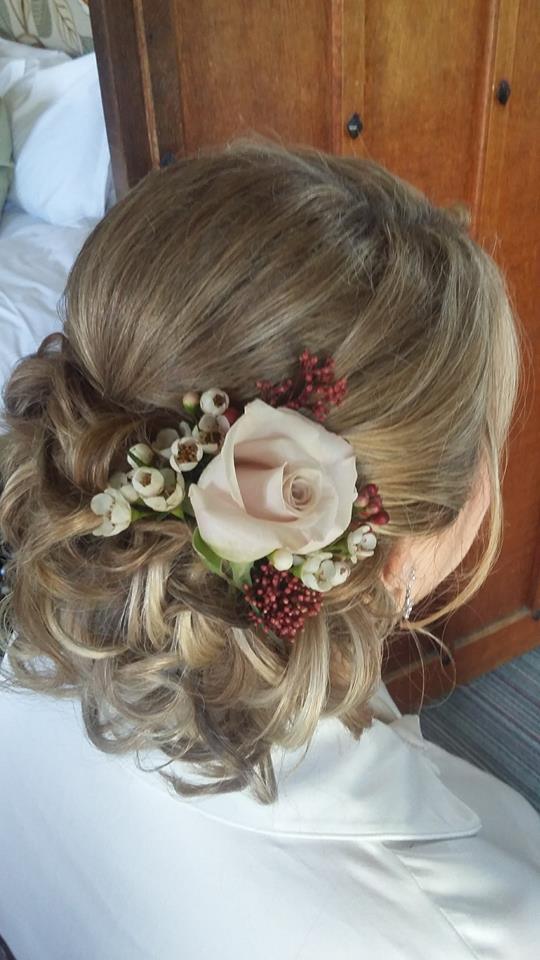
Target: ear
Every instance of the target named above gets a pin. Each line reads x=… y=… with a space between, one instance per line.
x=398 y=563
x=408 y=554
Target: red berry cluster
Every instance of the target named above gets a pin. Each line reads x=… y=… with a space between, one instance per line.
x=283 y=601
x=316 y=387
x=368 y=506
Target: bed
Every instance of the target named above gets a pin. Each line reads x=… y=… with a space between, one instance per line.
x=60 y=186
x=55 y=185
x=35 y=258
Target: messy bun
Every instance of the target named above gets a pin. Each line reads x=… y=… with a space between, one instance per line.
x=220 y=270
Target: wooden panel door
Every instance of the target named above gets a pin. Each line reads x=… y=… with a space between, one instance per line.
x=500 y=177
x=415 y=85
x=180 y=75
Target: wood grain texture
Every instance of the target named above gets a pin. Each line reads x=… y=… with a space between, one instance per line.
x=337 y=73
x=483 y=105
x=122 y=79
x=264 y=66
x=160 y=31
x=422 y=66
x=353 y=82
x=509 y=227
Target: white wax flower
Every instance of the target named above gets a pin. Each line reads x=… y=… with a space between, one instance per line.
x=173 y=492
x=281 y=559
x=121 y=481
x=320 y=572
x=148 y=482
x=190 y=400
x=185 y=429
x=115 y=511
x=185 y=454
x=208 y=426
x=143 y=452
x=164 y=441
x=311 y=566
x=214 y=402
x=339 y=574
x=361 y=542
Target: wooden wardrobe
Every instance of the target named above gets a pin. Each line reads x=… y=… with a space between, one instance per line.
x=442 y=92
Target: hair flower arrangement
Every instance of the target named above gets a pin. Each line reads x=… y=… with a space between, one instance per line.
x=272 y=492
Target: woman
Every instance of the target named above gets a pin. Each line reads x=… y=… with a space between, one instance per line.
x=273 y=424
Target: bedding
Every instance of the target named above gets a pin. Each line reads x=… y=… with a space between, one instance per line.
x=5 y=154
x=9 y=50
x=16 y=59
x=61 y=174
x=60 y=148
x=35 y=259
x=52 y=126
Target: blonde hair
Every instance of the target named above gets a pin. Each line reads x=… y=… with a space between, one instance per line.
x=219 y=271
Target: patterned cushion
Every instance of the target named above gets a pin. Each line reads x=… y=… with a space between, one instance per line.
x=58 y=24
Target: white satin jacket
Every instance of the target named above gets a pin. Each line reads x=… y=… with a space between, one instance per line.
x=386 y=848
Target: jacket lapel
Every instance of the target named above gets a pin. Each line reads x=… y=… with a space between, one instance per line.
x=383 y=786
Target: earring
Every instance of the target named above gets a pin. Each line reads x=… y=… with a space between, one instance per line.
x=408 y=605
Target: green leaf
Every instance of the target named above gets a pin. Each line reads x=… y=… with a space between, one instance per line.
x=211 y=559
x=194 y=411
x=143 y=511
x=146 y=513
x=187 y=507
x=42 y=17
x=137 y=461
x=241 y=572
x=338 y=546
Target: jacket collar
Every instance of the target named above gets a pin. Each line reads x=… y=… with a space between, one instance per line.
x=383 y=786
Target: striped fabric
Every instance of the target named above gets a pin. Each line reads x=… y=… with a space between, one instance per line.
x=494 y=722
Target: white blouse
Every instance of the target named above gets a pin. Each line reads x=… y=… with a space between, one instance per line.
x=383 y=848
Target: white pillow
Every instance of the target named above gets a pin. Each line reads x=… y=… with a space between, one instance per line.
x=60 y=147
x=35 y=259
x=16 y=59
x=11 y=50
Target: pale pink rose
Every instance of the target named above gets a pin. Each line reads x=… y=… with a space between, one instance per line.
x=280 y=481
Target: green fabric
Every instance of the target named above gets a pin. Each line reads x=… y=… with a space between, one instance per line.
x=5 y=154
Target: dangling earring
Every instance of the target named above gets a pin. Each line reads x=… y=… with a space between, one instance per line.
x=408 y=605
